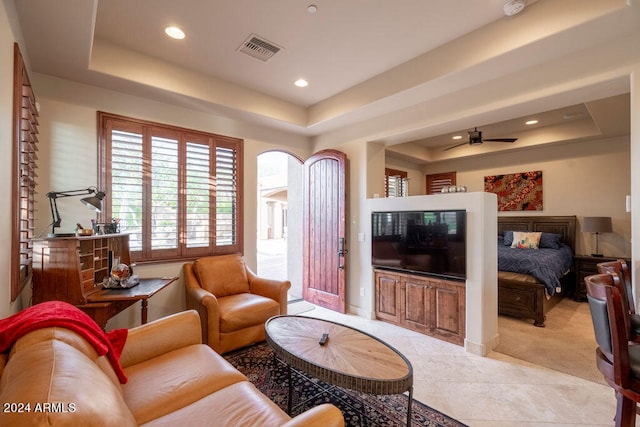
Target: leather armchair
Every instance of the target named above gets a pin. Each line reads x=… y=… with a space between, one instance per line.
x=232 y=301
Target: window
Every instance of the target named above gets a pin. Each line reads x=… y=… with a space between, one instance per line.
x=25 y=139
x=176 y=192
x=437 y=181
x=396 y=183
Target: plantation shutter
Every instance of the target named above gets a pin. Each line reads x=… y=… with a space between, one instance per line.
x=25 y=140
x=164 y=194
x=127 y=184
x=198 y=190
x=437 y=181
x=395 y=183
x=226 y=196
x=176 y=192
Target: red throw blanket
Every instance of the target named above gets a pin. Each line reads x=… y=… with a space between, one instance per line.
x=64 y=315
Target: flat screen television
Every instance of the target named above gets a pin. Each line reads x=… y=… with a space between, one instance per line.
x=426 y=242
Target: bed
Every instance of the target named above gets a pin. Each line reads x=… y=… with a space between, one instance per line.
x=520 y=292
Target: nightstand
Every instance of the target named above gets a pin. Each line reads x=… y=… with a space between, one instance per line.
x=586 y=265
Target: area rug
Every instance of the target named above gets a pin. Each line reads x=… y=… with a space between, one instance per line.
x=269 y=375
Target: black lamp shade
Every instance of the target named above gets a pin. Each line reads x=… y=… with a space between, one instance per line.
x=94 y=202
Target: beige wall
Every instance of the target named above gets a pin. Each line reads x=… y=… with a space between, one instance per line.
x=415 y=173
x=634 y=82
x=68 y=160
x=6 y=168
x=582 y=178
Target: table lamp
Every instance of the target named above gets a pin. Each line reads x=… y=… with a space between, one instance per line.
x=597 y=224
x=93 y=202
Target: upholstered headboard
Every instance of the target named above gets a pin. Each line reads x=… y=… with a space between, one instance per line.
x=563 y=225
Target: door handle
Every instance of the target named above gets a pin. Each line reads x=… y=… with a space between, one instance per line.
x=341 y=252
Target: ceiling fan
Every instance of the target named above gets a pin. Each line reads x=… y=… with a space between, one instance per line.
x=475 y=138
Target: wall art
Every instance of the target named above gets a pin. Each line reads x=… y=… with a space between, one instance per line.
x=516 y=191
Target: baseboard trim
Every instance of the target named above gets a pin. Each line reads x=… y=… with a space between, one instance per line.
x=482 y=349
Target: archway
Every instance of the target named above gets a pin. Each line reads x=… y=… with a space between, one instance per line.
x=279 y=214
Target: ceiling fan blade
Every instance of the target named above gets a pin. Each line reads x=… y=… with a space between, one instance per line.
x=457 y=145
x=501 y=139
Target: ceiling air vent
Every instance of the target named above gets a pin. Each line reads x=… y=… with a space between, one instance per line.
x=258 y=48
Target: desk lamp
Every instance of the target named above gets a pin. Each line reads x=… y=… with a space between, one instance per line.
x=93 y=202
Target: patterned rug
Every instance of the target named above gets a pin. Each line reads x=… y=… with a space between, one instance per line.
x=269 y=375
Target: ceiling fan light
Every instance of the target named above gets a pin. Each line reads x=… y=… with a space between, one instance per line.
x=475 y=136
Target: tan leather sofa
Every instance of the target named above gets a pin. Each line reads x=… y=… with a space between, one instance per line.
x=173 y=380
x=232 y=301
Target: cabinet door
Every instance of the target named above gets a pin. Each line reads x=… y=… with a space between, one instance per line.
x=449 y=312
x=387 y=304
x=417 y=300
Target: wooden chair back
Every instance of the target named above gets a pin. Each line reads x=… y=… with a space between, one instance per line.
x=621 y=268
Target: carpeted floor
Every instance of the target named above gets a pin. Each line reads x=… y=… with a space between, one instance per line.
x=359 y=409
x=566 y=343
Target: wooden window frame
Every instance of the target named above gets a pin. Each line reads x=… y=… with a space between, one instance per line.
x=388 y=172
x=444 y=179
x=24 y=156
x=106 y=122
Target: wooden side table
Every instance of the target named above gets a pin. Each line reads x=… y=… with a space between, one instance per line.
x=586 y=265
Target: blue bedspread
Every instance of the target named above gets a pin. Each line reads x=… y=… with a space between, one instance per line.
x=546 y=265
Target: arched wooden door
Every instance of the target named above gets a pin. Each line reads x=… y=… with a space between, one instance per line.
x=325 y=245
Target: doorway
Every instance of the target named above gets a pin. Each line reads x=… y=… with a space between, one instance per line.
x=280 y=226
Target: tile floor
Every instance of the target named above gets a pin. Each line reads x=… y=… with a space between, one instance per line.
x=497 y=390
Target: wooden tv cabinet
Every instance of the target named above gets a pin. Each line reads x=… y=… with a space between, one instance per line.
x=432 y=306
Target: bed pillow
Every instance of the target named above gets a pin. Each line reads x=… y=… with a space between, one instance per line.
x=526 y=240
x=550 y=240
x=508 y=238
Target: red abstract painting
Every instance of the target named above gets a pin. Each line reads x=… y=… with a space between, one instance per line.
x=516 y=191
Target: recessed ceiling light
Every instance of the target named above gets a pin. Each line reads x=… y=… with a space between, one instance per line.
x=457 y=137
x=513 y=7
x=301 y=83
x=312 y=8
x=531 y=122
x=174 y=33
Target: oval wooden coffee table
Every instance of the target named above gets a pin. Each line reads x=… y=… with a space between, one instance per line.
x=349 y=358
